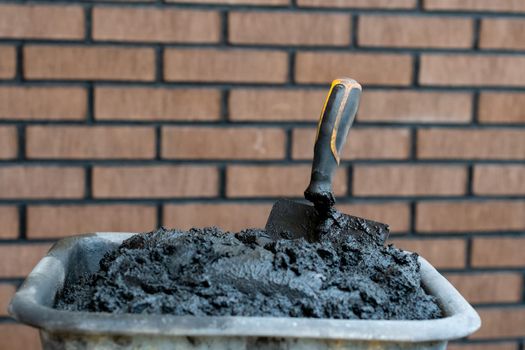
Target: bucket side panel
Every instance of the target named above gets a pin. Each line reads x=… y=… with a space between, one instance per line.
x=55 y=341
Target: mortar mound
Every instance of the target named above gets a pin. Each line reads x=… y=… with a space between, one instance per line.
x=208 y=272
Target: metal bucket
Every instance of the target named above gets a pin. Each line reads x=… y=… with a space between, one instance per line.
x=71 y=257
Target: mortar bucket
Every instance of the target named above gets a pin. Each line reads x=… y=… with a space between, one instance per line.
x=73 y=257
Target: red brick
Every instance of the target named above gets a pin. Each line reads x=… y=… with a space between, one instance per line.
x=386 y=4
x=502 y=34
x=287 y=28
x=441 y=253
x=6 y=293
x=89 y=63
x=19 y=337
x=276 y=105
x=501 y=323
x=410 y=31
x=147 y=104
x=43 y=103
x=215 y=65
x=465 y=216
x=323 y=67
x=499 y=179
x=236 y=2
x=41 y=182
x=498 y=252
x=472 y=70
x=8 y=142
x=223 y=143
x=274 y=181
x=9 y=222
x=363 y=143
x=228 y=216
x=84 y=142
x=476 y=5
x=7 y=62
x=471 y=144
x=409 y=180
x=67 y=220
x=501 y=107
x=17 y=260
x=161 y=181
x=415 y=107
x=391 y=106
x=503 y=287
x=41 y=22
x=394 y=214
x=483 y=346
x=155 y=24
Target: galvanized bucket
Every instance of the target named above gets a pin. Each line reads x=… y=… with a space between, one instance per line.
x=75 y=256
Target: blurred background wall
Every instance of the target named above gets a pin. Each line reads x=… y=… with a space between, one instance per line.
x=127 y=115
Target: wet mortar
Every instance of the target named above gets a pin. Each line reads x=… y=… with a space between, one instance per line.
x=345 y=274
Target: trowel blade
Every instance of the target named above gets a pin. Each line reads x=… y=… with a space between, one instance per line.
x=291 y=220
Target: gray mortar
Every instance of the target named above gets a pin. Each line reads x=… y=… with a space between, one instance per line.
x=347 y=274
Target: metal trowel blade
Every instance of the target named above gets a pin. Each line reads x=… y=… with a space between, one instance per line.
x=291 y=220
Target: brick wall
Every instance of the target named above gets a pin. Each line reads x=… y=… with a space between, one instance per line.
x=127 y=115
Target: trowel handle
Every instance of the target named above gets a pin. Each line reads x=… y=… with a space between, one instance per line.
x=337 y=116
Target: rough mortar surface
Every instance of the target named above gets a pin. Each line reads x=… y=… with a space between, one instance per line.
x=346 y=274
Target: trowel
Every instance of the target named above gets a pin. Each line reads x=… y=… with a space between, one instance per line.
x=291 y=219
